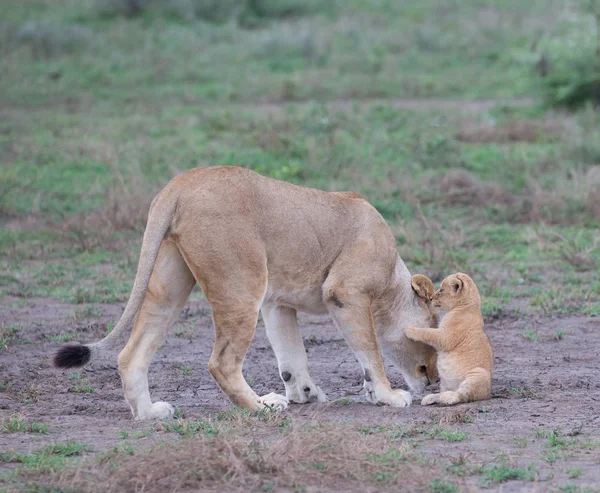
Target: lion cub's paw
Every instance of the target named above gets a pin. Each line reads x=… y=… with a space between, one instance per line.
x=450 y=398
x=411 y=332
x=430 y=399
x=275 y=401
x=302 y=391
x=158 y=410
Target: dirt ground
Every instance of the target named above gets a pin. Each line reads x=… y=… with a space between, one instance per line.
x=541 y=381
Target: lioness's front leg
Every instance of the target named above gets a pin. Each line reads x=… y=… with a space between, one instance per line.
x=286 y=341
x=352 y=314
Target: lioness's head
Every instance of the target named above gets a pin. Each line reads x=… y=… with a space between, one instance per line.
x=456 y=290
x=424 y=365
x=416 y=360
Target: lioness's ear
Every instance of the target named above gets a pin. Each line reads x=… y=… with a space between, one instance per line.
x=423 y=286
x=456 y=284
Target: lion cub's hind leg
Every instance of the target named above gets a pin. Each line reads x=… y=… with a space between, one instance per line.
x=476 y=386
x=286 y=341
x=169 y=288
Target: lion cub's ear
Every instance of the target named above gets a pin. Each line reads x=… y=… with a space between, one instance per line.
x=457 y=284
x=423 y=286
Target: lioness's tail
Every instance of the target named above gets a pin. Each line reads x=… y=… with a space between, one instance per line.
x=159 y=220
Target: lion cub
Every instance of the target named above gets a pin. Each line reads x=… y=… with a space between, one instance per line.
x=465 y=359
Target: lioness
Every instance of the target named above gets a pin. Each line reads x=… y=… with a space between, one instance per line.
x=465 y=360
x=254 y=243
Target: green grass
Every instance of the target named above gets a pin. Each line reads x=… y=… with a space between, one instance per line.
x=50 y=458
x=447 y=434
x=442 y=486
x=188 y=428
x=64 y=336
x=17 y=423
x=8 y=334
x=502 y=472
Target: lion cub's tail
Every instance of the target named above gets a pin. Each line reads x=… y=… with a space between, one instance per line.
x=160 y=217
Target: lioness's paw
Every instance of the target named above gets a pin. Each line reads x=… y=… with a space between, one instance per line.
x=400 y=398
x=274 y=401
x=158 y=410
x=449 y=398
x=304 y=390
x=394 y=398
x=430 y=399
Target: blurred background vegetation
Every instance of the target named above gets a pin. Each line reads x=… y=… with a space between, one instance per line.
x=472 y=125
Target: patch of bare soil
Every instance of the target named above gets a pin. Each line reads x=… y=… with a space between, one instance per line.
x=546 y=378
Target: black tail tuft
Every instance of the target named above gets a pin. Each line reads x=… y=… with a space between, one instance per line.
x=72 y=356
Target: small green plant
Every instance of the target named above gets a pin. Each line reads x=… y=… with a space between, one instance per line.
x=123 y=435
x=17 y=423
x=386 y=477
x=114 y=456
x=441 y=486
x=87 y=311
x=390 y=458
x=74 y=376
x=8 y=334
x=551 y=456
x=185 y=369
x=342 y=401
x=530 y=335
x=569 y=488
x=29 y=395
x=523 y=392
x=458 y=466
x=574 y=473
x=82 y=388
x=521 y=442
x=559 y=335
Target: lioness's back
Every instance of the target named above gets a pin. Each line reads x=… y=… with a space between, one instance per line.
x=305 y=221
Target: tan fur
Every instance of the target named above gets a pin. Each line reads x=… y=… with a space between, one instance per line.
x=465 y=360
x=254 y=243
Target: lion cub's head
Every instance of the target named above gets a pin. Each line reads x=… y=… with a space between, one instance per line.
x=457 y=290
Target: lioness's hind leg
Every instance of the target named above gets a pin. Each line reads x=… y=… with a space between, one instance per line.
x=169 y=288
x=286 y=341
x=234 y=331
